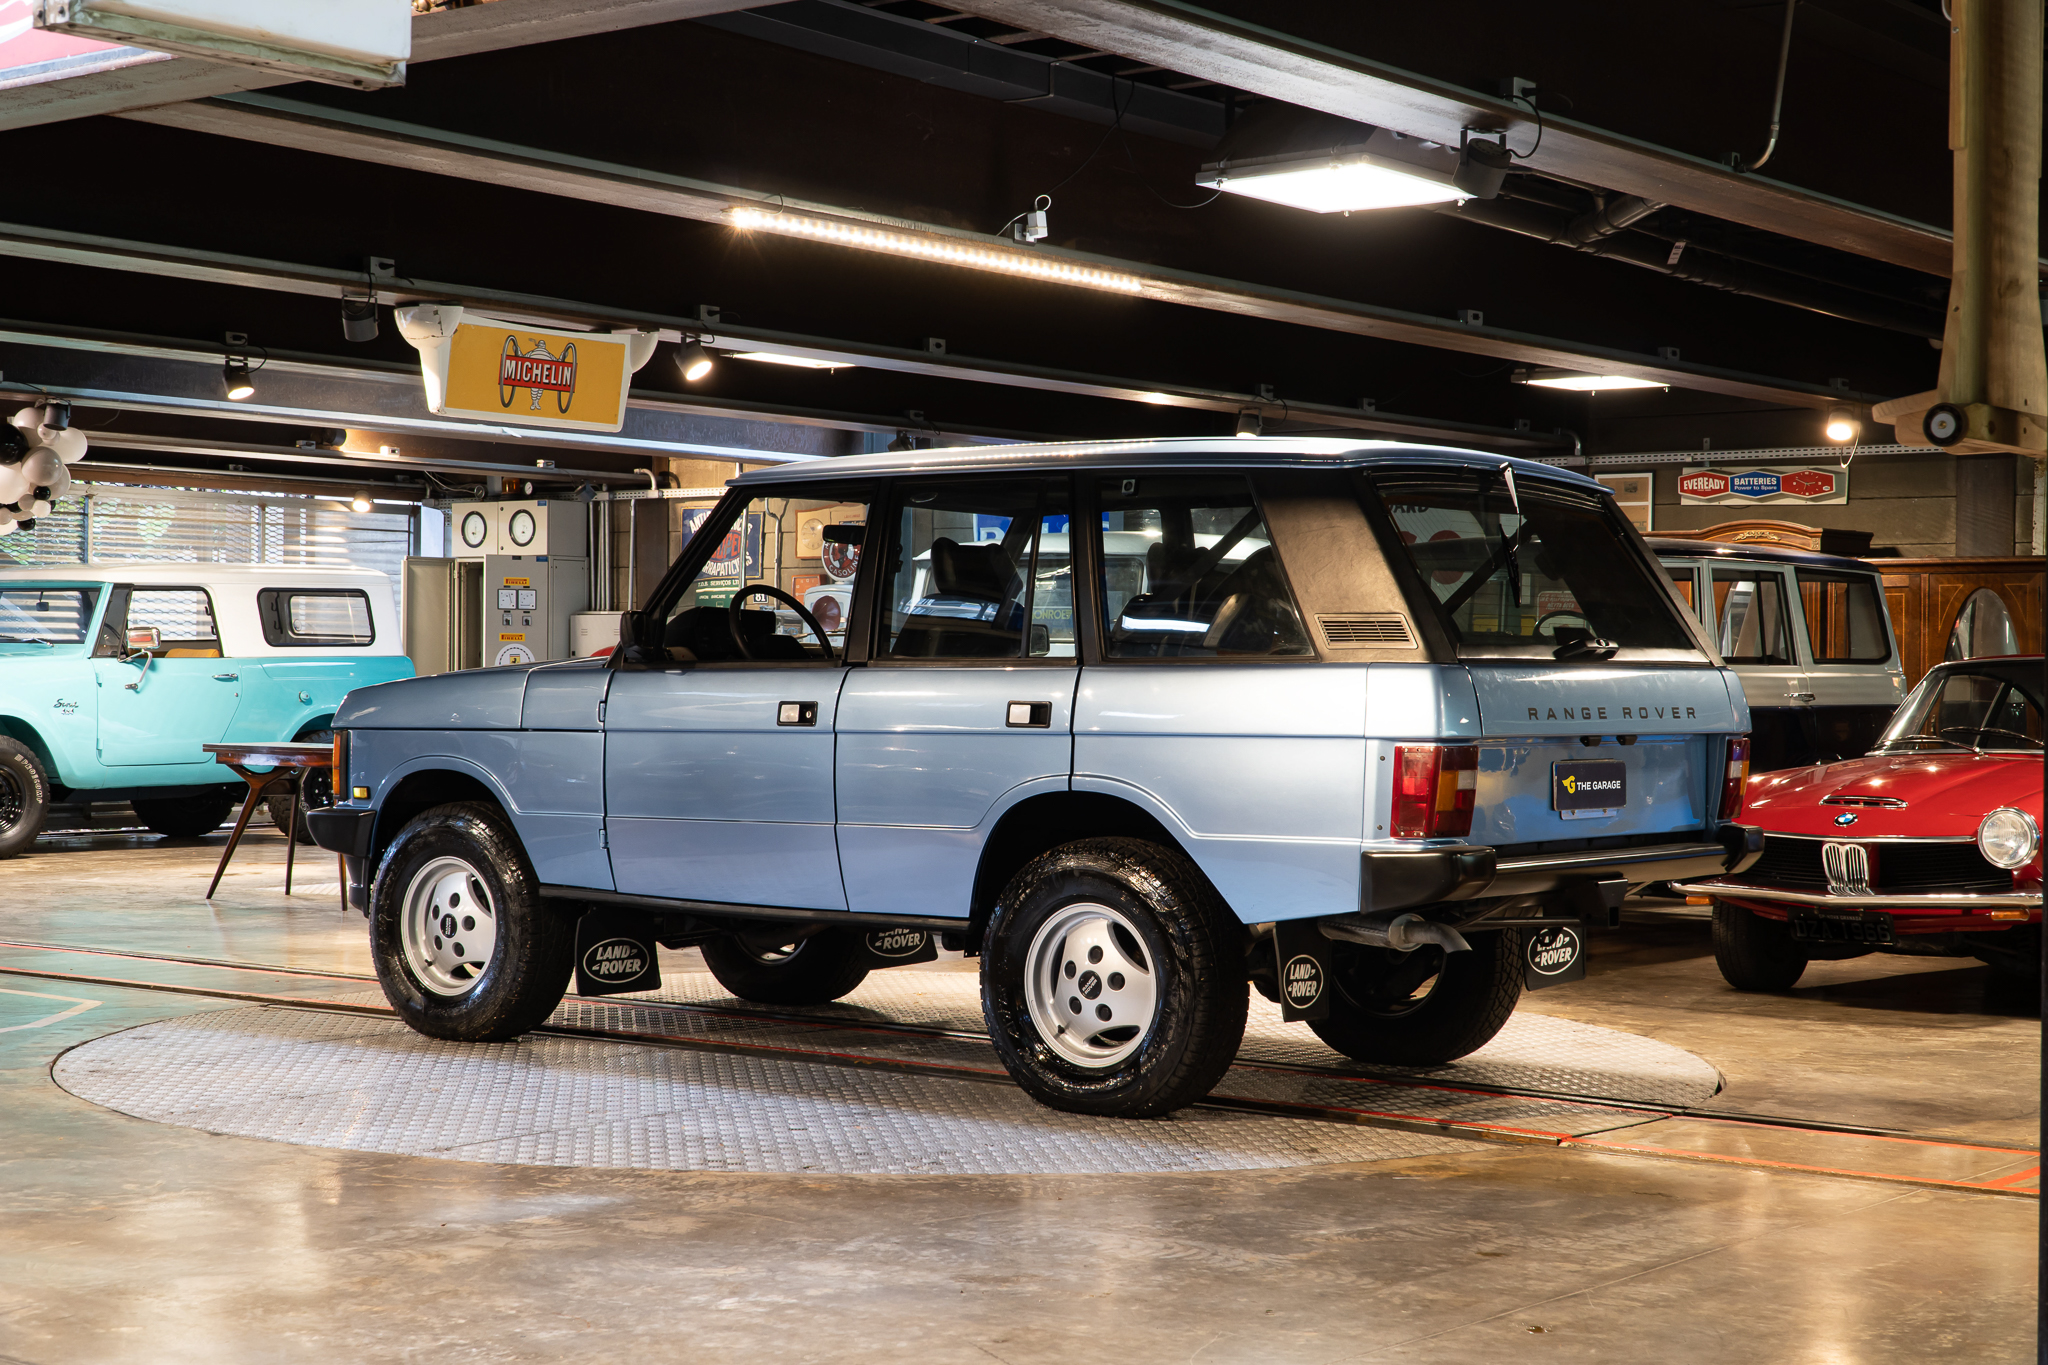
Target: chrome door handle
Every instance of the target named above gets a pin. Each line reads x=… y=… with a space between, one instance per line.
x=227 y=677
x=1800 y=696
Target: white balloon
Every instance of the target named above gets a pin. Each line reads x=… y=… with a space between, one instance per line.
x=12 y=485
x=28 y=419
x=68 y=443
x=38 y=508
x=42 y=468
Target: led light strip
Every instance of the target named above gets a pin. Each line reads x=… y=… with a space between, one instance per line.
x=935 y=249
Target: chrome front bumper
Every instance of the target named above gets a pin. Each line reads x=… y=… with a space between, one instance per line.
x=1877 y=900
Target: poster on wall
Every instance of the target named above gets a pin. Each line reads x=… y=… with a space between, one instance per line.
x=812 y=521
x=1632 y=494
x=1808 y=485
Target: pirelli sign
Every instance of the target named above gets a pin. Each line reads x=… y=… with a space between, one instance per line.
x=494 y=370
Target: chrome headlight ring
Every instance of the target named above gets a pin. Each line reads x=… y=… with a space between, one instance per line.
x=2008 y=838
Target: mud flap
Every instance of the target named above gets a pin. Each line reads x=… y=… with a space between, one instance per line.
x=1301 y=965
x=898 y=947
x=615 y=953
x=1553 y=956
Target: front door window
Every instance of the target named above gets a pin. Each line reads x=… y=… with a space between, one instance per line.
x=783 y=569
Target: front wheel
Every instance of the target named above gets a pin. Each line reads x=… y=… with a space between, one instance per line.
x=24 y=797
x=769 y=970
x=1423 y=1007
x=463 y=945
x=1754 y=953
x=1112 y=980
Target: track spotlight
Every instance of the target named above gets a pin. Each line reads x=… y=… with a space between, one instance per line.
x=694 y=361
x=1842 y=425
x=235 y=379
x=1249 y=423
x=360 y=502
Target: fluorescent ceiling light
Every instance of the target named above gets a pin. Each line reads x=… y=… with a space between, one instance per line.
x=1578 y=381
x=933 y=247
x=1337 y=187
x=794 y=361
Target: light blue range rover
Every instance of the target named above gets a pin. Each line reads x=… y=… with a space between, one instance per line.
x=113 y=675
x=1377 y=729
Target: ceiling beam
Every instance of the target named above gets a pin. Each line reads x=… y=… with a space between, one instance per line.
x=334 y=132
x=1266 y=61
x=132 y=78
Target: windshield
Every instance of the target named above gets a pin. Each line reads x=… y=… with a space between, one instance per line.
x=1979 y=709
x=49 y=616
x=1555 y=579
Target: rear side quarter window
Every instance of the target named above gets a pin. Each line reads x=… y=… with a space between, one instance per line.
x=316 y=618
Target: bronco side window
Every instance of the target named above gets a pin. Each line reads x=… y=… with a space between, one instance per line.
x=776 y=553
x=1189 y=572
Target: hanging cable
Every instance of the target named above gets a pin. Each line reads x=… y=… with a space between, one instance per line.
x=1735 y=160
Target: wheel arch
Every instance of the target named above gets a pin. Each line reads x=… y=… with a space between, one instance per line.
x=325 y=722
x=15 y=728
x=1041 y=823
x=429 y=782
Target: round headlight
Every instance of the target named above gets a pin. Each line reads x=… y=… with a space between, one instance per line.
x=2008 y=838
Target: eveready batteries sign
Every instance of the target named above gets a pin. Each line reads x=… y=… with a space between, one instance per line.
x=1726 y=486
x=493 y=370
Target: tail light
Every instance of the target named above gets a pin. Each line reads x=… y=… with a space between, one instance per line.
x=1734 y=777
x=1433 y=790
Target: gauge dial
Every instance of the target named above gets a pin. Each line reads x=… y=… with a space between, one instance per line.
x=521 y=527
x=475 y=529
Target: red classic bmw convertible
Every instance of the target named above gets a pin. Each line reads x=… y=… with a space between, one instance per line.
x=1930 y=844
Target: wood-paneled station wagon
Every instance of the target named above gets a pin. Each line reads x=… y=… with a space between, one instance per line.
x=1377 y=729
x=1930 y=844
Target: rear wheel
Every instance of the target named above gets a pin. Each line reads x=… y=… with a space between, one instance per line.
x=788 y=971
x=1112 y=980
x=1423 y=1007
x=316 y=790
x=184 y=817
x=24 y=797
x=1754 y=953
x=463 y=944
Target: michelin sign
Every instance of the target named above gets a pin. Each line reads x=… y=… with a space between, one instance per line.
x=498 y=371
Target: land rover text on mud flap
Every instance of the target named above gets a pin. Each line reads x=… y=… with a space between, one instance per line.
x=1379 y=729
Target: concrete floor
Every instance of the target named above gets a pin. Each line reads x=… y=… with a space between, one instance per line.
x=122 y=1240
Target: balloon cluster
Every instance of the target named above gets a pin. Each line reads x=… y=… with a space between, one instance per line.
x=36 y=447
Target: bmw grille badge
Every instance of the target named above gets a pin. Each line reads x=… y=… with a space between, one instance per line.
x=1847 y=817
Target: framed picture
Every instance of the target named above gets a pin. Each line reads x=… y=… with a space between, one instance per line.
x=1634 y=494
x=811 y=524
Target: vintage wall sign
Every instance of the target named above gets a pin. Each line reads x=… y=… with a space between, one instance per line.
x=1810 y=485
x=499 y=371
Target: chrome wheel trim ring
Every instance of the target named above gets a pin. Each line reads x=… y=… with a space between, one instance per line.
x=1090 y=992
x=448 y=927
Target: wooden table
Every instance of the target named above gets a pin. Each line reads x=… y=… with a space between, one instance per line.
x=287 y=764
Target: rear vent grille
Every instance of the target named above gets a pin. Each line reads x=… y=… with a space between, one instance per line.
x=1370 y=628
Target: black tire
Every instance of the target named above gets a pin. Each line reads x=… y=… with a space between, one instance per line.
x=184 y=817
x=24 y=797
x=1424 y=1007
x=434 y=984
x=318 y=791
x=1754 y=953
x=794 y=971
x=1173 y=927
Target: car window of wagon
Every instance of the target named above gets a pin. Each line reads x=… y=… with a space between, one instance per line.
x=45 y=616
x=1540 y=571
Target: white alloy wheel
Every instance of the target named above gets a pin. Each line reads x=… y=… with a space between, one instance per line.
x=1090 y=991
x=448 y=927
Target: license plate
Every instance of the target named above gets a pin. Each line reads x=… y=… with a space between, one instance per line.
x=1587 y=787
x=1862 y=926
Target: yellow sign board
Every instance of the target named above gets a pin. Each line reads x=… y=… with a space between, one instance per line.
x=498 y=371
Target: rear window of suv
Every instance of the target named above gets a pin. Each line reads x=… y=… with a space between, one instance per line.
x=1532 y=571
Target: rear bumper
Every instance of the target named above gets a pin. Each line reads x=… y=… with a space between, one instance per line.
x=1890 y=904
x=1404 y=878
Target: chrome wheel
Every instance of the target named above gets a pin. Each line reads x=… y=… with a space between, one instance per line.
x=448 y=927
x=1091 y=994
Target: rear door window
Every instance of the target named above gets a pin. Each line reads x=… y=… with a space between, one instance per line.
x=1756 y=625
x=1844 y=618
x=979 y=569
x=305 y=618
x=1190 y=572
x=1529 y=572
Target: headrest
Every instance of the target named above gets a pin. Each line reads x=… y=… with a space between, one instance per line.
x=981 y=572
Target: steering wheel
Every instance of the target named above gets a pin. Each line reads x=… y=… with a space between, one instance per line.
x=1537 y=629
x=732 y=617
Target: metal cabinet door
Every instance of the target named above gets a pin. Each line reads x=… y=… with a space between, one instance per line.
x=711 y=796
x=928 y=756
